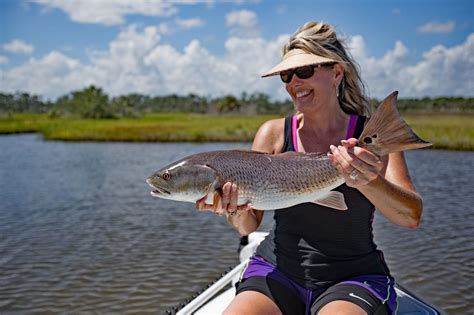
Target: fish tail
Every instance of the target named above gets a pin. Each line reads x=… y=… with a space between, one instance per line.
x=387 y=132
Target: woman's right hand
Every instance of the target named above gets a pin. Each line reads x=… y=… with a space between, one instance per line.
x=226 y=203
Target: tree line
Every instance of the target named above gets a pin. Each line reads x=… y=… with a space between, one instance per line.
x=92 y=102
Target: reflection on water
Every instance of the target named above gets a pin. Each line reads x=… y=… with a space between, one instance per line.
x=80 y=233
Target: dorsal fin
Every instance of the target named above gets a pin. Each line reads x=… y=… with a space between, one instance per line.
x=301 y=155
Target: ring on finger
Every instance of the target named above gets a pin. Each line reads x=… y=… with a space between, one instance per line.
x=354 y=174
x=233 y=212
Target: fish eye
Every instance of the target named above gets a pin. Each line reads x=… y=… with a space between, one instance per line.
x=166 y=175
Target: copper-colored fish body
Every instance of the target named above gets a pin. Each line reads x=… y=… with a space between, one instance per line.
x=278 y=181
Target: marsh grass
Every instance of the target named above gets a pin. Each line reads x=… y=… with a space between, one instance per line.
x=165 y=127
x=445 y=131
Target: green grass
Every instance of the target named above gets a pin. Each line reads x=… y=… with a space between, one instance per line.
x=445 y=131
x=155 y=127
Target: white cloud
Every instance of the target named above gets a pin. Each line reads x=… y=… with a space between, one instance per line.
x=110 y=12
x=113 y=12
x=164 y=28
x=442 y=71
x=242 y=18
x=243 y=23
x=437 y=28
x=238 y=2
x=189 y=23
x=381 y=75
x=3 y=60
x=52 y=74
x=18 y=46
x=136 y=61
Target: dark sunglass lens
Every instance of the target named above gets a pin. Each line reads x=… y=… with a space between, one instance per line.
x=304 y=72
x=286 y=76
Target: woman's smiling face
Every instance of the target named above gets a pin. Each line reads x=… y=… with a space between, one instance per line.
x=309 y=94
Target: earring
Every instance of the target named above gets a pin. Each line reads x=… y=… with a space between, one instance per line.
x=337 y=90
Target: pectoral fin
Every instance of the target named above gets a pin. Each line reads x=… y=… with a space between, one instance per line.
x=216 y=200
x=334 y=199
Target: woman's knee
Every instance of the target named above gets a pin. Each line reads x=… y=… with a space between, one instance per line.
x=252 y=302
x=341 y=308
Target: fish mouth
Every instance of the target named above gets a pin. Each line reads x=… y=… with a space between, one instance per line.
x=157 y=191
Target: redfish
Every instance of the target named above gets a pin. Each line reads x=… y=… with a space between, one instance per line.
x=271 y=182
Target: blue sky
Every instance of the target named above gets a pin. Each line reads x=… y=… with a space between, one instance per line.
x=212 y=48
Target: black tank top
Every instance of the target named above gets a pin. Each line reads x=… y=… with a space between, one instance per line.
x=319 y=246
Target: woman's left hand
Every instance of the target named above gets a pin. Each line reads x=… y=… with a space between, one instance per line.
x=357 y=165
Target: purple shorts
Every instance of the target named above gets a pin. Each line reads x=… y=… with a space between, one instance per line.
x=373 y=293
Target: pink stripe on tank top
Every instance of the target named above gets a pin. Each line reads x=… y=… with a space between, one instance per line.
x=351 y=126
x=294 y=126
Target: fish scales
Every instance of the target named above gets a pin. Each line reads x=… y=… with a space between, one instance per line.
x=270 y=181
x=279 y=181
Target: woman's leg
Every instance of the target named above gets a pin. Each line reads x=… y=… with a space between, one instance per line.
x=348 y=299
x=261 y=295
x=341 y=308
x=252 y=302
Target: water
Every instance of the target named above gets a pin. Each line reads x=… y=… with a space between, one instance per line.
x=80 y=233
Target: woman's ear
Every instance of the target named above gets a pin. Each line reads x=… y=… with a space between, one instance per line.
x=338 y=73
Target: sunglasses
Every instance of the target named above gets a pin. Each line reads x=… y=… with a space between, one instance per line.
x=304 y=72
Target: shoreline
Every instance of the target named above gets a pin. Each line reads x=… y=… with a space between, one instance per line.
x=445 y=131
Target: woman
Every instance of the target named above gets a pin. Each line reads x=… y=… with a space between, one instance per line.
x=318 y=260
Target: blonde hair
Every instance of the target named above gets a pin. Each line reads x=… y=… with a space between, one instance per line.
x=320 y=39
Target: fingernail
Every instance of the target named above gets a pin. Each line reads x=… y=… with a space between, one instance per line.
x=332 y=148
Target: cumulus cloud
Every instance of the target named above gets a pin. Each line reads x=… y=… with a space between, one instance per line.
x=242 y=23
x=110 y=12
x=242 y=18
x=381 y=75
x=442 y=70
x=437 y=28
x=137 y=61
x=189 y=23
x=52 y=74
x=18 y=46
x=3 y=60
x=113 y=12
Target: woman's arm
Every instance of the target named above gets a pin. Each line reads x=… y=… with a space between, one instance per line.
x=394 y=194
x=385 y=182
x=269 y=139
